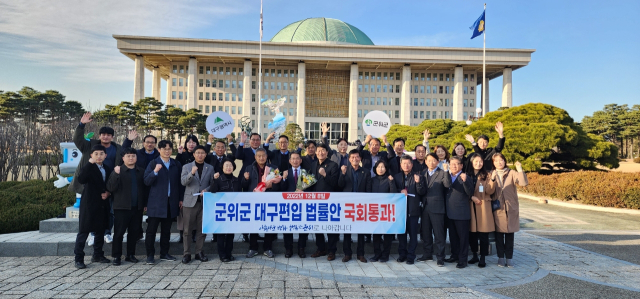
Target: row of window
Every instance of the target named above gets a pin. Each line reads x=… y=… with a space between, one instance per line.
x=380 y=101
x=378 y=76
x=438 y=114
x=440 y=102
x=234 y=71
x=206 y=109
x=377 y=88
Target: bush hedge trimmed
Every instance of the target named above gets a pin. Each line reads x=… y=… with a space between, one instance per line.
x=24 y=204
x=636 y=160
x=606 y=189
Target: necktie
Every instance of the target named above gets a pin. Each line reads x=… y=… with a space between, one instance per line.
x=220 y=159
x=295 y=175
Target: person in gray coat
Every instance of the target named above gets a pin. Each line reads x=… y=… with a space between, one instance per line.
x=196 y=177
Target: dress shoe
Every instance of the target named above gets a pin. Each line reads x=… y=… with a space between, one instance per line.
x=100 y=259
x=186 y=259
x=231 y=258
x=501 y=262
x=116 y=261
x=362 y=259
x=402 y=259
x=167 y=257
x=474 y=259
x=301 y=253
x=510 y=263
x=440 y=263
x=451 y=260
x=131 y=258
x=383 y=260
x=461 y=265
x=224 y=260
x=80 y=265
x=410 y=262
x=319 y=253
x=374 y=259
x=288 y=253
x=201 y=257
x=425 y=258
x=331 y=256
x=150 y=260
x=346 y=258
x=481 y=262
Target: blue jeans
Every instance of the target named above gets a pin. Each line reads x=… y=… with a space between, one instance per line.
x=111 y=218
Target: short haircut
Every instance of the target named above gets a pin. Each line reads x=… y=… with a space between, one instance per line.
x=128 y=151
x=192 y=138
x=341 y=140
x=154 y=138
x=406 y=157
x=199 y=147
x=375 y=139
x=386 y=167
x=221 y=141
x=420 y=145
x=97 y=148
x=283 y=136
x=256 y=134
x=454 y=158
x=354 y=152
x=294 y=153
x=261 y=149
x=225 y=160
x=310 y=142
x=398 y=140
x=325 y=147
x=432 y=155
x=485 y=137
x=106 y=130
x=164 y=143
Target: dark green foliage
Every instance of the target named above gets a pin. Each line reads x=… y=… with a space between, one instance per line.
x=24 y=204
x=295 y=135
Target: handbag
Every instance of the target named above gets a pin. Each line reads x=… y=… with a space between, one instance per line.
x=495 y=205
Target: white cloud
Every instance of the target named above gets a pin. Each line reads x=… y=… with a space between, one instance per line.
x=76 y=36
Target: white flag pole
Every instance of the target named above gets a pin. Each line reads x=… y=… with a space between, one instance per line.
x=484 y=71
x=260 y=77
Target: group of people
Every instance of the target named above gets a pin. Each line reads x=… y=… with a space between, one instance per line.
x=470 y=196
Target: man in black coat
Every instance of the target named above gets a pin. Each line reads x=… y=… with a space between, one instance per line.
x=326 y=173
x=94 y=205
x=373 y=155
x=310 y=158
x=289 y=183
x=130 y=194
x=394 y=162
x=419 y=164
x=482 y=146
x=147 y=153
x=162 y=176
x=279 y=157
x=433 y=214
x=459 y=213
x=354 y=178
x=412 y=185
x=219 y=154
x=247 y=155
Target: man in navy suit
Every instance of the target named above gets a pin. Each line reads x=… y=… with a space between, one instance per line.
x=373 y=155
x=279 y=157
x=219 y=154
x=290 y=183
x=459 y=213
x=394 y=161
x=247 y=155
x=412 y=185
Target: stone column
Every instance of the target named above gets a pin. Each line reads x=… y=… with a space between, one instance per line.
x=300 y=104
x=168 y=98
x=246 y=90
x=457 y=114
x=353 y=103
x=485 y=101
x=507 y=100
x=405 y=96
x=138 y=81
x=192 y=89
x=156 y=84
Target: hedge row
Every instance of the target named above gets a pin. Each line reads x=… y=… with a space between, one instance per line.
x=606 y=189
x=24 y=204
x=636 y=160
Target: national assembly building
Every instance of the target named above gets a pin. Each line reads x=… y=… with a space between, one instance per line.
x=328 y=70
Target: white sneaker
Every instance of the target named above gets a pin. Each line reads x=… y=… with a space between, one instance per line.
x=90 y=240
x=108 y=239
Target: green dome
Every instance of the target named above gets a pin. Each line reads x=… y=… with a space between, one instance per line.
x=321 y=30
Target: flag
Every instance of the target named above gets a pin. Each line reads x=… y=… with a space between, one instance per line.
x=478 y=27
x=260 y=19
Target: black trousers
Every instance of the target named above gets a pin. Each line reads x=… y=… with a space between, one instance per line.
x=165 y=235
x=126 y=221
x=346 y=245
x=459 y=238
x=333 y=242
x=321 y=243
x=412 y=232
x=484 y=242
x=302 y=241
x=504 y=244
x=382 y=253
x=225 y=245
x=268 y=241
x=433 y=234
x=81 y=239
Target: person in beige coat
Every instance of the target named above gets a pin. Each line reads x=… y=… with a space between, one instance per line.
x=507 y=218
x=482 y=222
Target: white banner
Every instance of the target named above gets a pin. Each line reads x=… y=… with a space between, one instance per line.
x=304 y=212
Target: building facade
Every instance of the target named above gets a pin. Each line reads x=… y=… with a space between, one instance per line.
x=328 y=71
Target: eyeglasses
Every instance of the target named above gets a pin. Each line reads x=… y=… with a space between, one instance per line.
x=150 y=142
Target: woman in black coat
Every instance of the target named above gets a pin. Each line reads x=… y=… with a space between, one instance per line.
x=185 y=156
x=225 y=182
x=382 y=183
x=461 y=152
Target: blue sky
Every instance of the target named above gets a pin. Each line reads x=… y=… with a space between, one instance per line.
x=586 y=51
